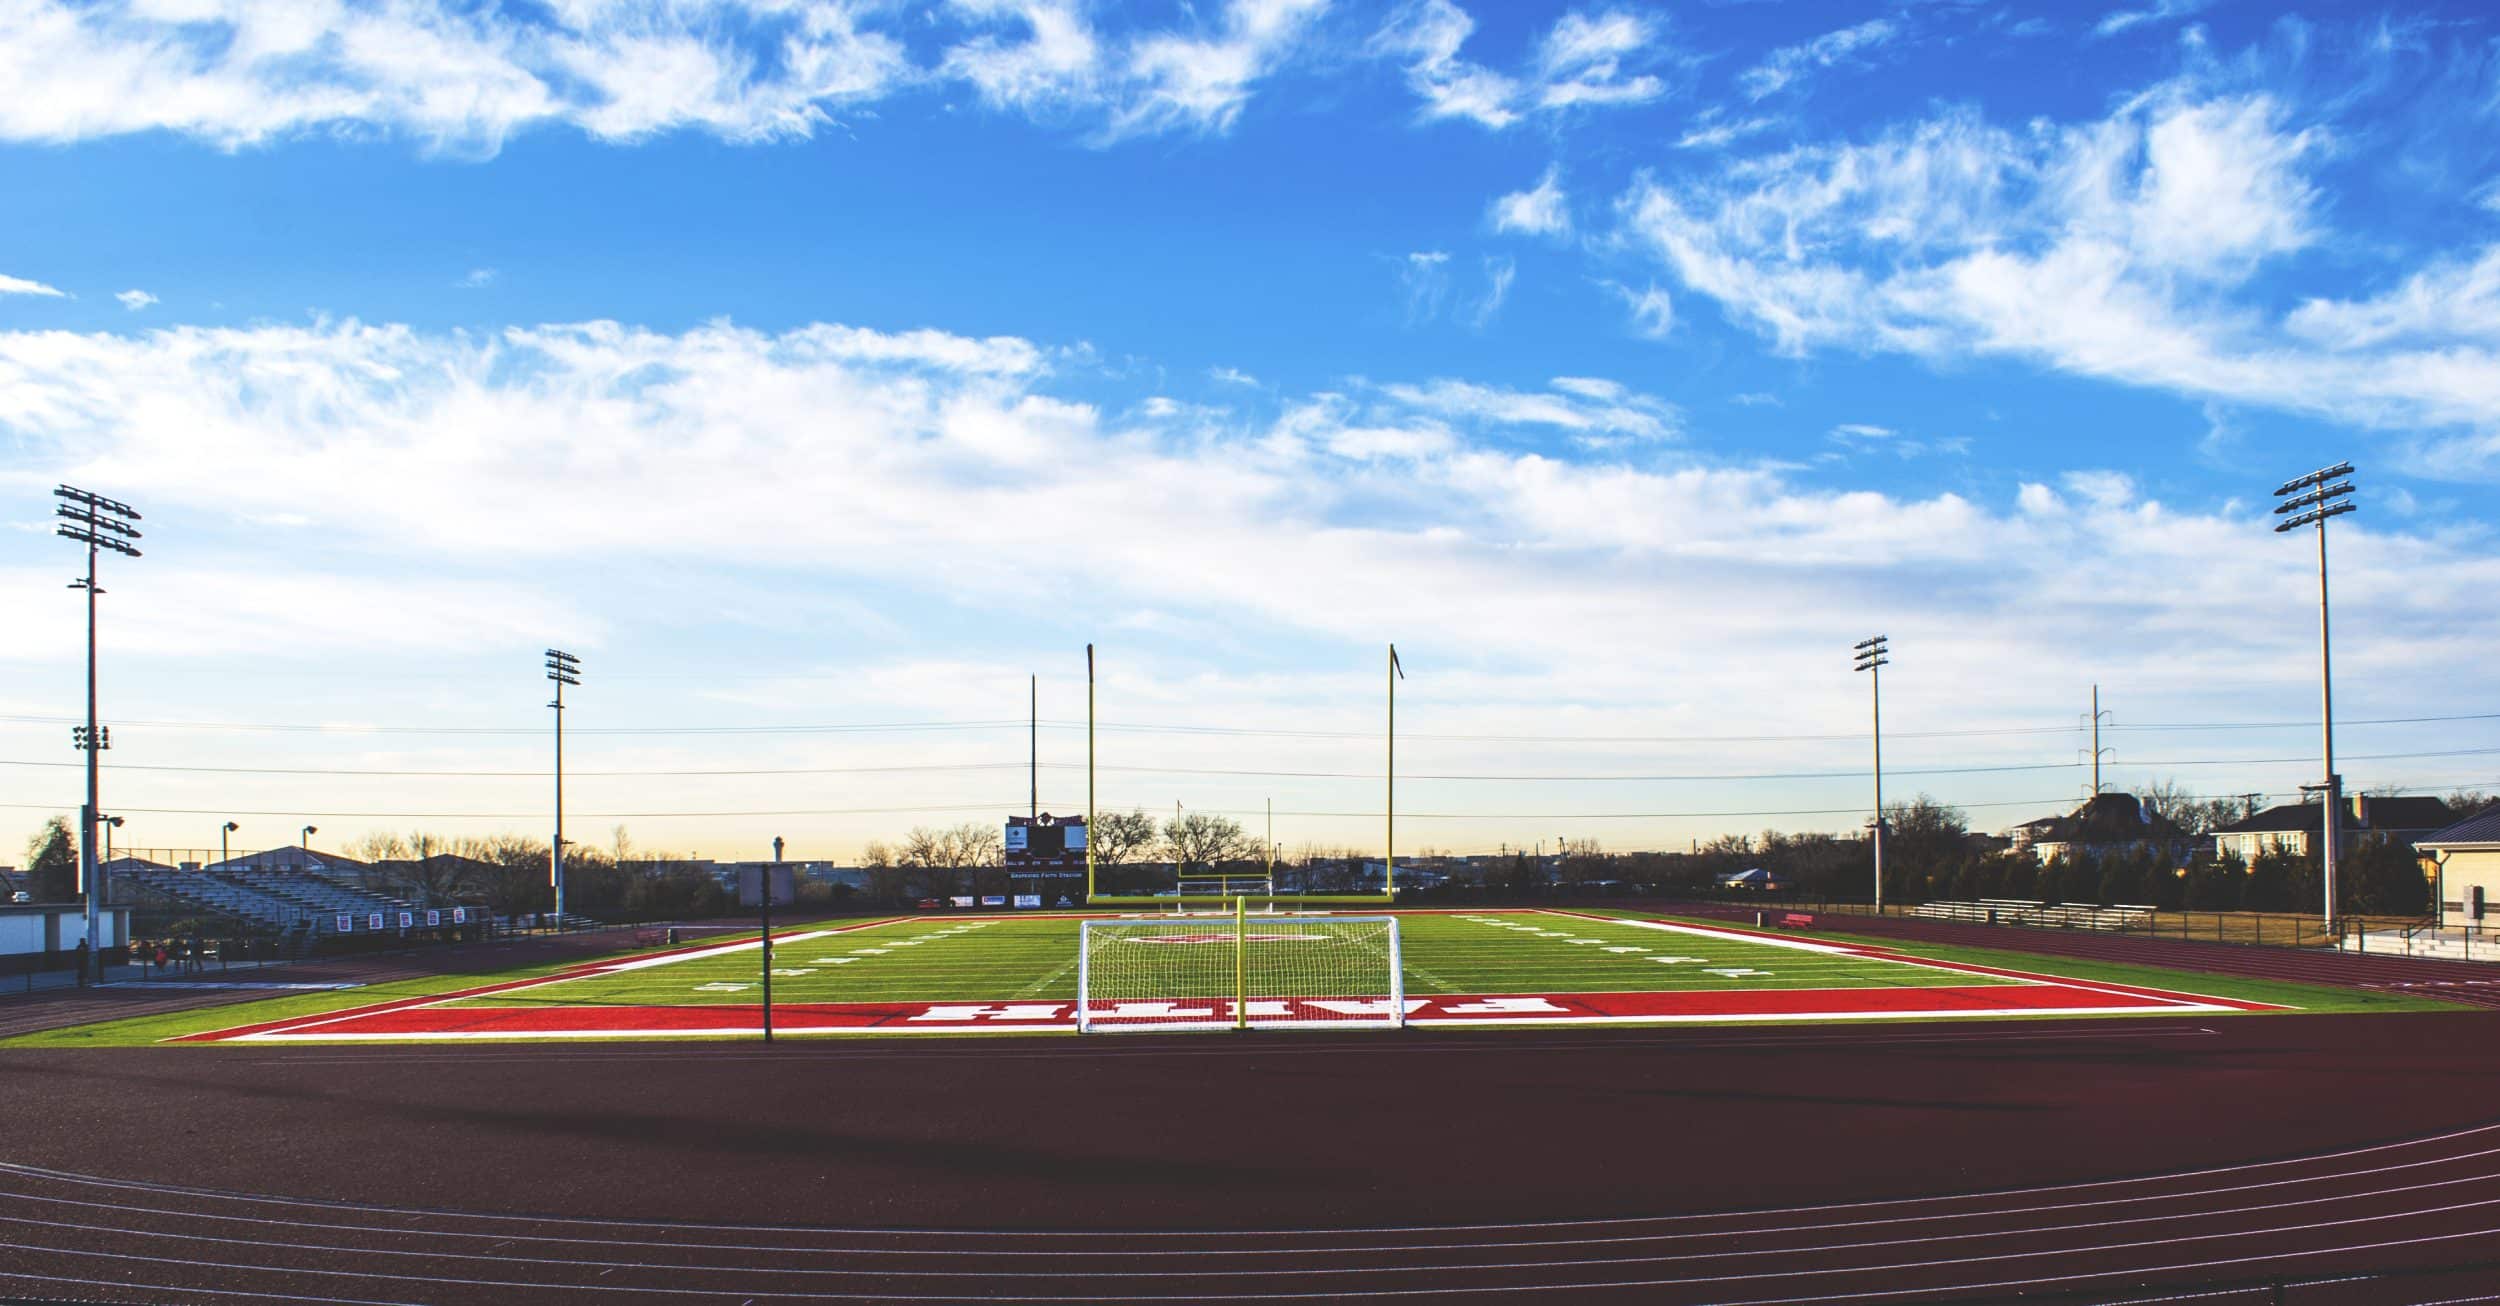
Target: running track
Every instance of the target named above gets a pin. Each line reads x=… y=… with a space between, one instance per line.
x=2092 y=1161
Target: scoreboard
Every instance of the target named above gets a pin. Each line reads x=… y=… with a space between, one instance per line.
x=1045 y=841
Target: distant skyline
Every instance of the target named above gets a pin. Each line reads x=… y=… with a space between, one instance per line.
x=818 y=372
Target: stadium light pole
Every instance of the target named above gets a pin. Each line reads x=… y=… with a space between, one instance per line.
x=110 y=824
x=100 y=524
x=564 y=669
x=309 y=832
x=224 y=853
x=1870 y=659
x=2309 y=501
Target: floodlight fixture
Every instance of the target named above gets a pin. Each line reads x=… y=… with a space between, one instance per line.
x=2310 y=501
x=2318 y=477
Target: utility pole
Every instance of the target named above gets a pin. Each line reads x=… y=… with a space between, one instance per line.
x=1034 y=766
x=1870 y=660
x=2310 y=500
x=564 y=669
x=99 y=523
x=2098 y=752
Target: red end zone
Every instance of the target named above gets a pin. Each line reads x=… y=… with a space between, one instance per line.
x=428 y=1018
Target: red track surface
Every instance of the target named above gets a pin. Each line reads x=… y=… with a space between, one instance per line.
x=1673 y=1166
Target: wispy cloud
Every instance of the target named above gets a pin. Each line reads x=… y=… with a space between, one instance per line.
x=2123 y=248
x=134 y=300
x=21 y=286
x=1652 y=308
x=2122 y=20
x=463 y=79
x=1136 y=85
x=1232 y=376
x=1783 y=67
x=1584 y=60
x=476 y=279
x=1542 y=211
x=1499 y=272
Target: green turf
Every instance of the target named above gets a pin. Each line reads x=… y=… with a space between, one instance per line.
x=1035 y=960
x=938 y=959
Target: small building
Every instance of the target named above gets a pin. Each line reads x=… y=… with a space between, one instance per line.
x=1758 y=879
x=2107 y=825
x=2464 y=860
x=2296 y=828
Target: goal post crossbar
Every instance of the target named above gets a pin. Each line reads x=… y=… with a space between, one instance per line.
x=1315 y=972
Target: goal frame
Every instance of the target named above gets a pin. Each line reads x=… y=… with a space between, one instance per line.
x=1240 y=1019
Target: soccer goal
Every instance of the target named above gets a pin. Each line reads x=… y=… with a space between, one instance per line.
x=1240 y=972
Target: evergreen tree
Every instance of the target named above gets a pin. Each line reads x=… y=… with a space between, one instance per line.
x=52 y=862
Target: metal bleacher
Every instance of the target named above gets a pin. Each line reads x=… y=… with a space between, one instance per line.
x=279 y=899
x=2038 y=915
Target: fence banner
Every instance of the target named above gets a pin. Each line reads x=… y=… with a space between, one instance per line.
x=374 y=921
x=346 y=923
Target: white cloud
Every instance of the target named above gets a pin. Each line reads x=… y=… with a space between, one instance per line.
x=21 y=286
x=1499 y=272
x=1424 y=283
x=1580 y=62
x=1476 y=539
x=1864 y=431
x=134 y=300
x=1543 y=211
x=2122 y=20
x=1712 y=131
x=1593 y=409
x=2115 y=249
x=476 y=279
x=461 y=79
x=464 y=78
x=1782 y=67
x=1232 y=376
x=1653 y=309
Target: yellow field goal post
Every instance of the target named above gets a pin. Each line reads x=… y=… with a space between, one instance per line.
x=1311 y=970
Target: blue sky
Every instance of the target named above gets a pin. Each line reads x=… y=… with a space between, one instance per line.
x=833 y=364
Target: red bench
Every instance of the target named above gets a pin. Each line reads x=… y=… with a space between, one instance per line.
x=1797 y=920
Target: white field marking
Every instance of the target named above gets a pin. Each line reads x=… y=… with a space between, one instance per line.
x=1694 y=931
x=1732 y=972
x=1675 y=961
x=870 y=952
x=795 y=971
x=2003 y=974
x=1627 y=948
x=1584 y=940
x=722 y=986
x=698 y=954
x=1531 y=1022
x=833 y=961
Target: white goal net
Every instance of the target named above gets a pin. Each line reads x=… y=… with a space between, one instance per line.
x=1240 y=972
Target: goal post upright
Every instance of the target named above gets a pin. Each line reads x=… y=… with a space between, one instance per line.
x=1241 y=963
x=1089 y=773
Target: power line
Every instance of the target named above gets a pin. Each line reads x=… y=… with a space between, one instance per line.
x=1135 y=727
x=1011 y=805
x=1522 y=777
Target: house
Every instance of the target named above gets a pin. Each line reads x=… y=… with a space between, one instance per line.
x=2106 y=825
x=2465 y=860
x=2295 y=827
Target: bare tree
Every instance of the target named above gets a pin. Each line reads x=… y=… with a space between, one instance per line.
x=1204 y=840
x=1122 y=837
x=885 y=871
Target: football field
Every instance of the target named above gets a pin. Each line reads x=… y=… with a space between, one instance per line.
x=959 y=974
